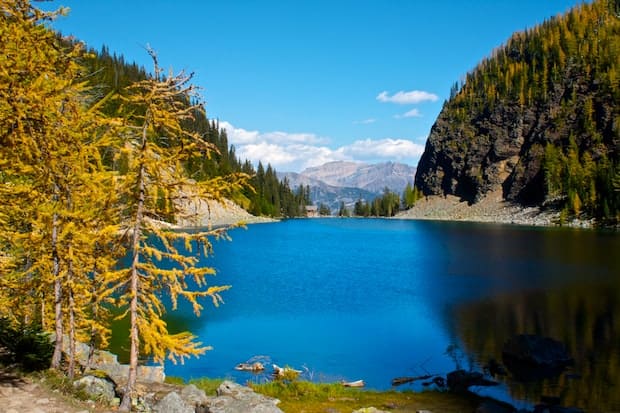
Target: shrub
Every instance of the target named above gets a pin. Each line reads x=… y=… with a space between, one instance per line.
x=27 y=345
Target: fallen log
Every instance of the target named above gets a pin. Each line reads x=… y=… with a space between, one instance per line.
x=403 y=380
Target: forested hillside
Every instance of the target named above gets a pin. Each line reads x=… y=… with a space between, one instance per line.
x=539 y=120
x=265 y=195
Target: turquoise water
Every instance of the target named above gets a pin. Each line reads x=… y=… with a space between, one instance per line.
x=377 y=299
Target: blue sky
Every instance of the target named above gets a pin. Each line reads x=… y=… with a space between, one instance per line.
x=301 y=83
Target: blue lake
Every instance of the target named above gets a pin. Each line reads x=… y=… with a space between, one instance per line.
x=377 y=299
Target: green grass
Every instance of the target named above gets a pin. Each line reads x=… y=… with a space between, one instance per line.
x=174 y=380
x=306 y=397
x=208 y=385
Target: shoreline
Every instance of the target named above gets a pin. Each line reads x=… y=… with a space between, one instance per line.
x=491 y=209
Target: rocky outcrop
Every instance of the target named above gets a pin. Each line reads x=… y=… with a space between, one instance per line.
x=469 y=160
x=234 y=398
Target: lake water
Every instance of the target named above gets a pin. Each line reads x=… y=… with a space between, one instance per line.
x=348 y=299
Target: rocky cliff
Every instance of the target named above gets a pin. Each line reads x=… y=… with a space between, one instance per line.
x=538 y=120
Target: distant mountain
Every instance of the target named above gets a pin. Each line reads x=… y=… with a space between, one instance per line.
x=371 y=177
x=341 y=181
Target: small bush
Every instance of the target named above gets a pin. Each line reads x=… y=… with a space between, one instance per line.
x=27 y=345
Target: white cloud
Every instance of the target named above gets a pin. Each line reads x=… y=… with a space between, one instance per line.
x=384 y=149
x=297 y=151
x=240 y=136
x=413 y=113
x=365 y=121
x=407 y=98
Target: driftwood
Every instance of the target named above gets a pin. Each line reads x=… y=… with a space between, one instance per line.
x=356 y=383
x=403 y=380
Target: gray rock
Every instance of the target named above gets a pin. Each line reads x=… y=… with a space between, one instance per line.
x=234 y=398
x=96 y=388
x=172 y=403
x=193 y=396
x=120 y=372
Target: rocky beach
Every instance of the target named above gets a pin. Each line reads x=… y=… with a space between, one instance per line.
x=492 y=208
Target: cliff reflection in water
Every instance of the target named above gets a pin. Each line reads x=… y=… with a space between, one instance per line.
x=586 y=318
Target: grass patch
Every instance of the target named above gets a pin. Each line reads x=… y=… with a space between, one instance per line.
x=307 y=397
x=174 y=380
x=208 y=385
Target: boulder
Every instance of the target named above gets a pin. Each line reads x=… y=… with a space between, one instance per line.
x=97 y=388
x=194 y=396
x=120 y=372
x=532 y=357
x=234 y=398
x=172 y=403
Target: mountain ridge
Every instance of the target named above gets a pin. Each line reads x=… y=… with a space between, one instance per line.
x=345 y=181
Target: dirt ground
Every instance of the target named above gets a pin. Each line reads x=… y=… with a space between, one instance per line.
x=19 y=394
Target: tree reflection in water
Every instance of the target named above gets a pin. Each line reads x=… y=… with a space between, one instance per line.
x=586 y=318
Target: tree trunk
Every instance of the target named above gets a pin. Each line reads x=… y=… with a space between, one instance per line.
x=57 y=355
x=71 y=324
x=133 y=291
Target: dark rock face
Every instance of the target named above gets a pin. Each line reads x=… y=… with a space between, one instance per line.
x=502 y=149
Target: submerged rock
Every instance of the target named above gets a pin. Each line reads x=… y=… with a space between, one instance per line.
x=532 y=357
x=460 y=380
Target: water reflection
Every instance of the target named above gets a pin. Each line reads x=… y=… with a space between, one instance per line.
x=585 y=317
x=377 y=299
